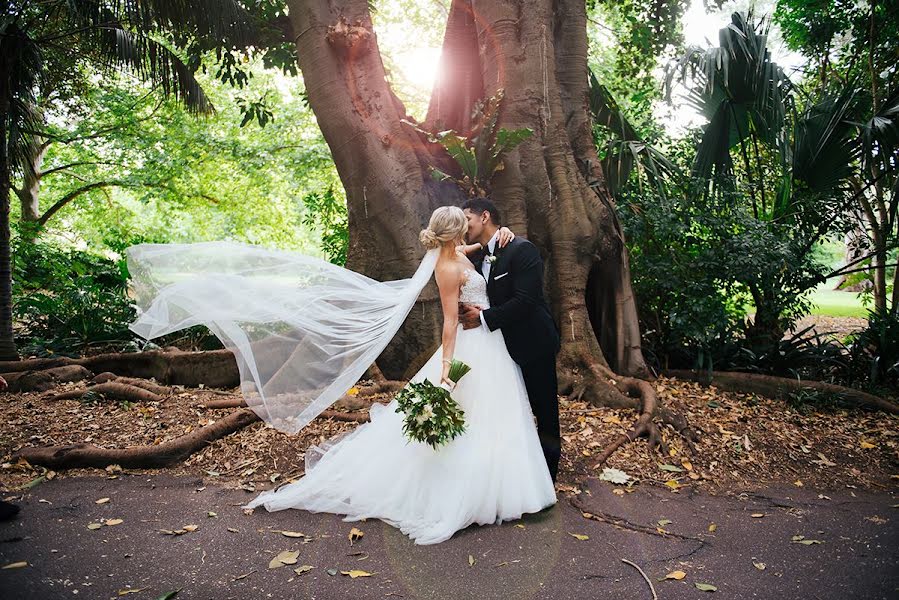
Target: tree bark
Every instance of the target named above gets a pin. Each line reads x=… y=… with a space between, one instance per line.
x=8 y=350
x=536 y=51
x=214 y=369
x=551 y=188
x=29 y=193
x=382 y=163
x=459 y=84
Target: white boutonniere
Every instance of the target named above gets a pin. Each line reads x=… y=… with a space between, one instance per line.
x=491 y=258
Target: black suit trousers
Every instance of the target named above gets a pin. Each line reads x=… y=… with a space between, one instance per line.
x=540 y=381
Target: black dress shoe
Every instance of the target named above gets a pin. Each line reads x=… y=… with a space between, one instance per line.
x=8 y=510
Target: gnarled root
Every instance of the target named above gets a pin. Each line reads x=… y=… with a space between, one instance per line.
x=111 y=389
x=600 y=386
x=87 y=455
x=159 y=390
x=782 y=387
x=42 y=380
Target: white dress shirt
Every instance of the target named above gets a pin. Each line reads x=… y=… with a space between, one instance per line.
x=485 y=268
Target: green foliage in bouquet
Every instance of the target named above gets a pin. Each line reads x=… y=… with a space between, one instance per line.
x=431 y=414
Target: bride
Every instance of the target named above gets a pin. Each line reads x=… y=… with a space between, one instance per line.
x=335 y=320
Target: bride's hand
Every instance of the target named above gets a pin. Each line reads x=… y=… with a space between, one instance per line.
x=505 y=236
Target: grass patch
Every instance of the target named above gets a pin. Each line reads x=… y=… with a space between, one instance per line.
x=833 y=303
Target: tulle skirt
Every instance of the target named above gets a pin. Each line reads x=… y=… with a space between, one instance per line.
x=493 y=472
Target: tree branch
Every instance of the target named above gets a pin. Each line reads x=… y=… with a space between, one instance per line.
x=75 y=164
x=71 y=196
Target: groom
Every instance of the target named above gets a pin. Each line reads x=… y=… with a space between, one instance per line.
x=514 y=277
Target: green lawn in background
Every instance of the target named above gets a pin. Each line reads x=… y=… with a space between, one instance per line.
x=834 y=303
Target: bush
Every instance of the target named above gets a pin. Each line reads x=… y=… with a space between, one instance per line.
x=65 y=300
x=875 y=351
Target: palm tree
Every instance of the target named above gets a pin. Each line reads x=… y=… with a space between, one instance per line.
x=802 y=169
x=623 y=148
x=109 y=35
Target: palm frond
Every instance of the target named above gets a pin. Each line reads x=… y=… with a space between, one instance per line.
x=22 y=66
x=825 y=148
x=880 y=136
x=225 y=20
x=739 y=88
x=153 y=62
x=626 y=150
x=606 y=111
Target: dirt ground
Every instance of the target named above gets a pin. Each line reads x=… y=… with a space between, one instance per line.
x=745 y=440
x=779 y=500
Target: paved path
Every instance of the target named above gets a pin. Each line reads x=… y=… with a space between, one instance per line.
x=228 y=555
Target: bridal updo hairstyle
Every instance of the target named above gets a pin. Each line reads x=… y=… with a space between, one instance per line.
x=447 y=223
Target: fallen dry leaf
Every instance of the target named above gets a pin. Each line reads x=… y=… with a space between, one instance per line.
x=676 y=575
x=355 y=573
x=293 y=534
x=355 y=535
x=287 y=557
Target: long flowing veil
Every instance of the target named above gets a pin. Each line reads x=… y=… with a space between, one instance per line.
x=302 y=329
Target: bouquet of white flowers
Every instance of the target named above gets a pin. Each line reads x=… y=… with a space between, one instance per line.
x=431 y=414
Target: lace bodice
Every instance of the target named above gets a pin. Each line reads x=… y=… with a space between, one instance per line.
x=474 y=290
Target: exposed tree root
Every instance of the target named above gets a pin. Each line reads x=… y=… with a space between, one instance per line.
x=215 y=369
x=159 y=390
x=781 y=387
x=87 y=455
x=111 y=389
x=356 y=417
x=229 y=403
x=43 y=380
x=600 y=386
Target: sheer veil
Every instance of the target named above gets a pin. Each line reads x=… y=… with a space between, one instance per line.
x=302 y=329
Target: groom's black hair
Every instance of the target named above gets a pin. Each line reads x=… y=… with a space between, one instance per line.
x=481 y=205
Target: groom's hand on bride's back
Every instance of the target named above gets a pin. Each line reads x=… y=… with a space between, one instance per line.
x=469 y=316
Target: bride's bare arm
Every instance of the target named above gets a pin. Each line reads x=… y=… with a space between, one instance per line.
x=449 y=282
x=467 y=249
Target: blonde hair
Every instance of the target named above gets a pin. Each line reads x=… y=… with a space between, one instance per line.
x=447 y=223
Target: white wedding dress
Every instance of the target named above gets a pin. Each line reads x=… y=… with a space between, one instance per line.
x=494 y=472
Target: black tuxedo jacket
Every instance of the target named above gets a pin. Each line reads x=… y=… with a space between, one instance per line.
x=517 y=305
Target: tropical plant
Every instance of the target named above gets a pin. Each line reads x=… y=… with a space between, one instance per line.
x=69 y=299
x=622 y=150
x=479 y=155
x=111 y=35
x=799 y=168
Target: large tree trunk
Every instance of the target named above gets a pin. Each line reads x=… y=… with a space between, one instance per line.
x=29 y=193
x=8 y=350
x=382 y=163
x=535 y=50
